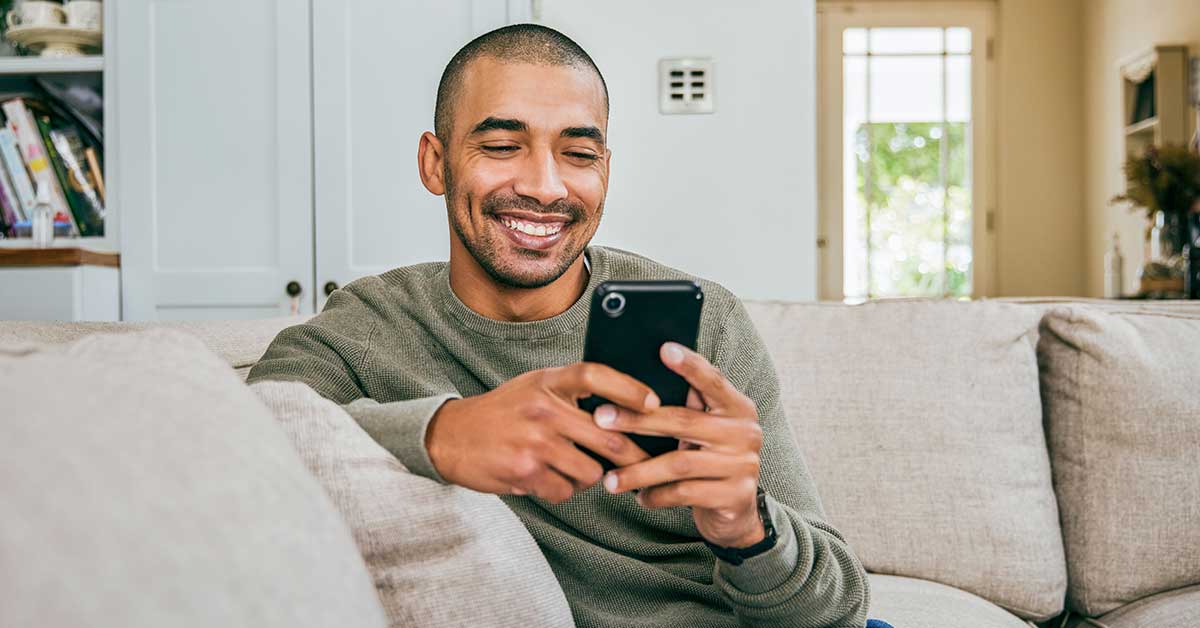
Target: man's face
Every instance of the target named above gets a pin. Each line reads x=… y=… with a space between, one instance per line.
x=526 y=168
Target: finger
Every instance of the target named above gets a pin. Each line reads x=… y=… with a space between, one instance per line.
x=578 y=427
x=707 y=430
x=584 y=379
x=695 y=493
x=695 y=402
x=573 y=464
x=549 y=485
x=705 y=378
x=676 y=466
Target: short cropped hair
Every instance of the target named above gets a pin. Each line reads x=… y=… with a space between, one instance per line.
x=520 y=43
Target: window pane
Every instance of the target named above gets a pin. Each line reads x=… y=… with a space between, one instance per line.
x=906 y=40
x=906 y=161
x=958 y=39
x=958 y=88
x=854 y=110
x=958 y=210
x=906 y=89
x=905 y=206
x=854 y=41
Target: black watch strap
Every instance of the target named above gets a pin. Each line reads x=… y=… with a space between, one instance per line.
x=735 y=555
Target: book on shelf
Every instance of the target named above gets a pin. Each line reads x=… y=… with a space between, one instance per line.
x=10 y=206
x=65 y=150
x=33 y=150
x=96 y=172
x=14 y=168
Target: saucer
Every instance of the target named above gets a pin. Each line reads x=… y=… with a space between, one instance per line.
x=56 y=40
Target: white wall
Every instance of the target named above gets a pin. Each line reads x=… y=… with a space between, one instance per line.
x=729 y=196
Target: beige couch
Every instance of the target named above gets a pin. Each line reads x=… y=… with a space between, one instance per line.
x=994 y=463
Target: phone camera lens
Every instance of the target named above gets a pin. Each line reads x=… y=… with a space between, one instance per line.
x=613 y=304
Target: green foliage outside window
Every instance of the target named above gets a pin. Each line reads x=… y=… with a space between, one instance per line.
x=920 y=232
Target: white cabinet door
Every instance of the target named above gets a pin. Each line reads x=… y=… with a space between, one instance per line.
x=376 y=68
x=215 y=159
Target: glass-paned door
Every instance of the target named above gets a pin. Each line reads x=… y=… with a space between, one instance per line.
x=905 y=159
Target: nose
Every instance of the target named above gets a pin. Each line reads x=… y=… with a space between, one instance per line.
x=540 y=180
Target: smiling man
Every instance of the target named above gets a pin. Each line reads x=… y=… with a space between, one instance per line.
x=469 y=372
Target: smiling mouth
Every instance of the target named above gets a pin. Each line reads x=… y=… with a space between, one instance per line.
x=536 y=229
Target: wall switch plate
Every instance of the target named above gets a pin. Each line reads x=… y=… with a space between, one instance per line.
x=686 y=85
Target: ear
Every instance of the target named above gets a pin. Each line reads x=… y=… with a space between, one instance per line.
x=430 y=163
x=607 y=167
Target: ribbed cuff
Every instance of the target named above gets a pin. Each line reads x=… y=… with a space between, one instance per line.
x=772 y=568
x=400 y=427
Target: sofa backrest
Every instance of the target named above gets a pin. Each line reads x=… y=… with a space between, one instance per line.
x=1121 y=390
x=922 y=426
x=239 y=343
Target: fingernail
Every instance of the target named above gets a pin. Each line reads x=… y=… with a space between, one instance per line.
x=652 y=401
x=640 y=498
x=672 y=353
x=606 y=415
x=517 y=491
x=610 y=482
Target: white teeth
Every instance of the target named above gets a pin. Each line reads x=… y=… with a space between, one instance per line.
x=529 y=228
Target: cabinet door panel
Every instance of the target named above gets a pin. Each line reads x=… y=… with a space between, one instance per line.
x=376 y=68
x=215 y=157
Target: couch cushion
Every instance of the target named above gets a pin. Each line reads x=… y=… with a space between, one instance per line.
x=922 y=426
x=1122 y=397
x=440 y=555
x=913 y=603
x=144 y=485
x=239 y=343
x=1179 y=608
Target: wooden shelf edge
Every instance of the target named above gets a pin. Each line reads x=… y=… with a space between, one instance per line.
x=24 y=258
x=1145 y=125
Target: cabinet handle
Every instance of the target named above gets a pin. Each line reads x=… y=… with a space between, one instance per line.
x=293 y=289
x=330 y=286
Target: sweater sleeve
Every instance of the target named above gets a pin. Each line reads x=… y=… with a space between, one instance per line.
x=328 y=353
x=810 y=579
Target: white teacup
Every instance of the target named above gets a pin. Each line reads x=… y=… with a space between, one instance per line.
x=87 y=14
x=36 y=13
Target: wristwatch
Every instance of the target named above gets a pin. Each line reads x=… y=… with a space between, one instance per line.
x=736 y=555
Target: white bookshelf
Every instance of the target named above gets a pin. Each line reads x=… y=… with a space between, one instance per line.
x=10 y=66
x=90 y=68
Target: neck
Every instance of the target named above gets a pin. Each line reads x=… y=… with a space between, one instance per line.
x=486 y=297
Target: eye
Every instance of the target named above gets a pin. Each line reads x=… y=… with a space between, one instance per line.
x=500 y=149
x=584 y=156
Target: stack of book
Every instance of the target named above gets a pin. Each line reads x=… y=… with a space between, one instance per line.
x=38 y=148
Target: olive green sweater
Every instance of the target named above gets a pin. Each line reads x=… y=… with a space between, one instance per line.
x=394 y=347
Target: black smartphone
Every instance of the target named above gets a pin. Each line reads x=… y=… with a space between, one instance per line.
x=628 y=323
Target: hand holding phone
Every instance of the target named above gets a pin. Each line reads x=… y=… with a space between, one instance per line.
x=629 y=323
x=520 y=438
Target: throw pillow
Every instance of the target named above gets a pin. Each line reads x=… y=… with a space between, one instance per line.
x=922 y=426
x=142 y=485
x=441 y=556
x=1122 y=395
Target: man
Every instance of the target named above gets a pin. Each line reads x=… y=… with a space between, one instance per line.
x=469 y=373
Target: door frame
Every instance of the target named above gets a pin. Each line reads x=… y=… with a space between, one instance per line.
x=832 y=19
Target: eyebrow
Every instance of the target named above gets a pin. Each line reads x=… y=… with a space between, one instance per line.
x=517 y=126
x=499 y=124
x=589 y=132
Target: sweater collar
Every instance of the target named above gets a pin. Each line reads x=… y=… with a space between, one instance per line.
x=570 y=319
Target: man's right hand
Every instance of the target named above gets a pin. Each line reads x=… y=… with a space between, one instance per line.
x=520 y=438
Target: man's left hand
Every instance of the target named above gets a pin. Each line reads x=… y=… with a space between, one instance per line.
x=715 y=469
